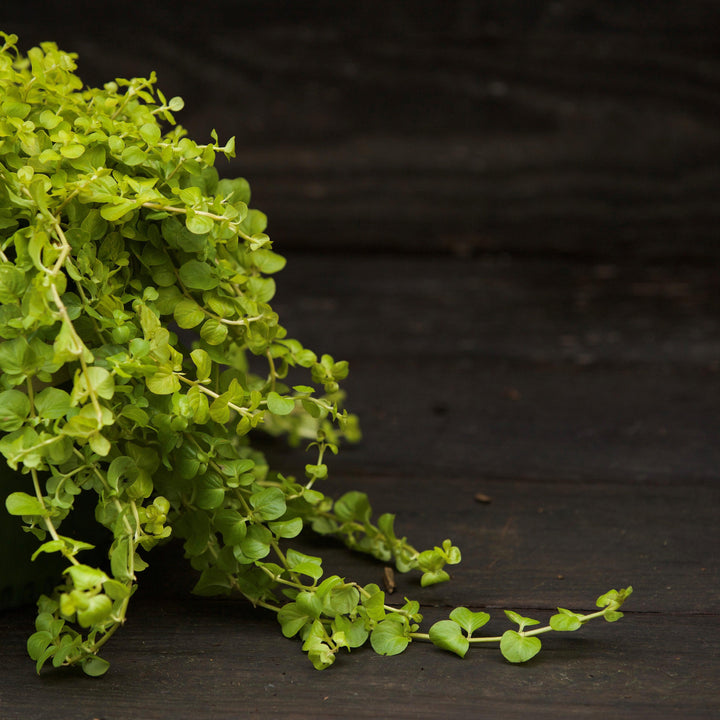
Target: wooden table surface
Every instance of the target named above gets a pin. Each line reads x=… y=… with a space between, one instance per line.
x=508 y=224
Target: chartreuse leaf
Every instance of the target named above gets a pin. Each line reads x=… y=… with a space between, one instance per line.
x=468 y=620
x=304 y=564
x=14 y=409
x=52 y=403
x=517 y=648
x=343 y=599
x=373 y=602
x=612 y=600
x=520 y=620
x=390 y=637
x=293 y=617
x=188 y=314
x=139 y=359
x=565 y=621
x=196 y=275
x=203 y=363
x=354 y=631
x=20 y=503
x=448 y=635
x=279 y=405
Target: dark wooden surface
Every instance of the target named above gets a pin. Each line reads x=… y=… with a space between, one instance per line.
x=504 y=215
x=575 y=126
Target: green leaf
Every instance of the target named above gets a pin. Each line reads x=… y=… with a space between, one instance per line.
x=198 y=275
x=38 y=643
x=188 y=314
x=117 y=210
x=520 y=620
x=269 y=503
x=16 y=109
x=116 y=590
x=256 y=544
x=133 y=155
x=210 y=492
x=97 y=609
x=198 y=224
x=374 y=603
x=213 y=581
x=85 y=577
x=231 y=524
x=62 y=544
x=293 y=618
x=389 y=637
x=278 y=405
x=203 y=364
x=52 y=403
x=343 y=599
x=150 y=133
x=95 y=666
x=355 y=632
x=234 y=190
x=219 y=410
x=287 y=528
x=309 y=603
x=12 y=284
x=14 y=409
x=448 y=635
x=353 y=505
x=268 y=261
x=100 y=380
x=612 y=600
x=517 y=648
x=163 y=382
x=213 y=332
x=433 y=577
x=20 y=503
x=305 y=564
x=565 y=621
x=468 y=620
x=72 y=151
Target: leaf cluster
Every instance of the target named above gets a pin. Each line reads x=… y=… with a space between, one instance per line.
x=140 y=355
x=517 y=646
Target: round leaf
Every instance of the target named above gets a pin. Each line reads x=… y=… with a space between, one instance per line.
x=14 y=408
x=197 y=275
x=448 y=635
x=278 y=405
x=389 y=637
x=517 y=648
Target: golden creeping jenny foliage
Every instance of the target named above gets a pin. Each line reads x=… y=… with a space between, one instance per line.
x=139 y=351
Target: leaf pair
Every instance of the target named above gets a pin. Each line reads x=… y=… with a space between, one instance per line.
x=454 y=634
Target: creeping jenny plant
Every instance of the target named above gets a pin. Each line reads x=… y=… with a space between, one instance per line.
x=139 y=352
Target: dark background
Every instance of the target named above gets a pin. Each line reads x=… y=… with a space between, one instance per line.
x=580 y=127
x=505 y=216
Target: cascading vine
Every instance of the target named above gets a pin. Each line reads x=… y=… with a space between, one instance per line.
x=139 y=355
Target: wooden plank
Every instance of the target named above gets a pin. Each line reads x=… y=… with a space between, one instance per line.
x=549 y=312
x=519 y=369
x=191 y=657
x=582 y=483
x=459 y=127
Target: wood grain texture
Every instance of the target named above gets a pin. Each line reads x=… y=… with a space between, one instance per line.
x=600 y=472
x=577 y=127
x=504 y=215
